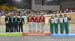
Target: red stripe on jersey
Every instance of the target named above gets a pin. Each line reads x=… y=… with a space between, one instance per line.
x=42 y=18
x=38 y=19
x=30 y=19
x=34 y=19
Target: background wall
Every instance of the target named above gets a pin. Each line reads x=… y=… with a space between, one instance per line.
x=44 y=7
x=47 y=17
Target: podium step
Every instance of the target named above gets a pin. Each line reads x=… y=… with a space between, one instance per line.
x=11 y=34
x=63 y=35
x=36 y=34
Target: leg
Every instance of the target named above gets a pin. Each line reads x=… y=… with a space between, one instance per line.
x=7 y=28
x=51 y=28
x=12 y=27
x=42 y=27
x=67 y=28
x=38 y=27
x=17 y=28
x=56 y=27
x=21 y=28
x=33 y=27
x=29 y=27
x=61 y=28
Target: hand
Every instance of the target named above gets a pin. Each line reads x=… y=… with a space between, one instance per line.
x=6 y=21
x=23 y=22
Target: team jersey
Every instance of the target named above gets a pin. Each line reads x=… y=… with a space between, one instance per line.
x=52 y=20
x=30 y=19
x=38 y=19
x=61 y=20
x=56 y=20
x=42 y=19
x=65 y=19
x=34 y=19
x=7 y=19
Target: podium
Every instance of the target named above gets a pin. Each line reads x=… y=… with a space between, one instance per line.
x=36 y=34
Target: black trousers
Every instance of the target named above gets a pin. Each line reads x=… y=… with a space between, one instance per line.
x=20 y=28
x=15 y=29
x=7 y=28
x=11 y=27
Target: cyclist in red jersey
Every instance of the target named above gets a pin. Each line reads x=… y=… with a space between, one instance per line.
x=38 y=24
x=30 y=20
x=42 y=22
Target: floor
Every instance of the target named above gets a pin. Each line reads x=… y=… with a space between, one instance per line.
x=38 y=38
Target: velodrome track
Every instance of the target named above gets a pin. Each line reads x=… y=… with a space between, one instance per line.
x=37 y=38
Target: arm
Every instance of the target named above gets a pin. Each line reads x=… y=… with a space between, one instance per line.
x=49 y=20
x=58 y=20
x=6 y=20
x=69 y=18
x=18 y=20
x=44 y=20
x=27 y=19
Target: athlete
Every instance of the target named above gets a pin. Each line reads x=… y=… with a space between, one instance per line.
x=16 y=19
x=42 y=22
x=66 y=24
x=12 y=23
x=34 y=23
x=56 y=23
x=30 y=20
x=21 y=23
x=61 y=22
x=51 y=20
x=38 y=24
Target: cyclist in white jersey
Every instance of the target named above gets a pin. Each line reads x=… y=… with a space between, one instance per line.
x=66 y=24
x=56 y=23
x=61 y=24
x=51 y=24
